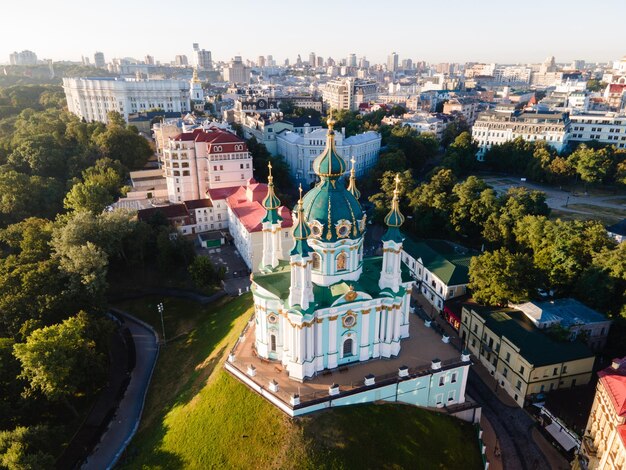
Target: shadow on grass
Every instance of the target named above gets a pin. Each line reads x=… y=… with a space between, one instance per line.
x=183 y=368
x=394 y=436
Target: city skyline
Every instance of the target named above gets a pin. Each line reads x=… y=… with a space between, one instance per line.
x=460 y=34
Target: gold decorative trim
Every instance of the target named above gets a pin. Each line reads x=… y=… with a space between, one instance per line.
x=333 y=318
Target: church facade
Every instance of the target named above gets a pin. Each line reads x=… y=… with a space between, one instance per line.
x=327 y=305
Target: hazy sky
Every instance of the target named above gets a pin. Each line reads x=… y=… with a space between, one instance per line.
x=436 y=31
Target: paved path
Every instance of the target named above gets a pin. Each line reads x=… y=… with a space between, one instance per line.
x=512 y=426
x=126 y=420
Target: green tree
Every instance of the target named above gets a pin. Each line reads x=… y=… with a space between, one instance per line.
x=124 y=144
x=28 y=448
x=592 y=165
x=203 y=273
x=499 y=277
x=461 y=154
x=61 y=361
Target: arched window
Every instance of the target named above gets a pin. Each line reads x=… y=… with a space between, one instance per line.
x=273 y=343
x=317 y=261
x=342 y=261
x=347 y=347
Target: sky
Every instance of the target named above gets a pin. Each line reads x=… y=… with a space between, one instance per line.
x=501 y=31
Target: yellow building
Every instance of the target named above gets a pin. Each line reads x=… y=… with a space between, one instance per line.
x=604 y=443
x=524 y=360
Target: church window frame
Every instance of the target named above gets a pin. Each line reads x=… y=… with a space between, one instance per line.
x=341 y=262
x=349 y=320
x=273 y=342
x=316 y=229
x=317 y=261
x=347 y=348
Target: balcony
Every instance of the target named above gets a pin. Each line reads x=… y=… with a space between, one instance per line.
x=588 y=446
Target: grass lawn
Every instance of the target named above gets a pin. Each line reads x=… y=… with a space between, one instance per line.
x=198 y=416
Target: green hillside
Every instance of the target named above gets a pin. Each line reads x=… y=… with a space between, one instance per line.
x=197 y=416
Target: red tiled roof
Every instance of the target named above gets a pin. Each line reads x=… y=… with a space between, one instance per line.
x=617 y=88
x=250 y=211
x=221 y=193
x=614 y=381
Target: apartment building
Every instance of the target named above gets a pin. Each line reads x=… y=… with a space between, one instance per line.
x=506 y=123
x=194 y=162
x=606 y=128
x=348 y=93
x=524 y=360
x=604 y=443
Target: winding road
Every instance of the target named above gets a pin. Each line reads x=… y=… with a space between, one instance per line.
x=125 y=422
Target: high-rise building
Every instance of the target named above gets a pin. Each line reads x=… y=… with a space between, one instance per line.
x=578 y=64
x=299 y=61
x=392 y=62
x=98 y=60
x=330 y=62
x=320 y=61
x=352 y=60
x=203 y=60
x=237 y=72
x=348 y=93
x=260 y=62
x=270 y=61
x=407 y=64
x=364 y=63
x=23 y=58
x=312 y=62
x=181 y=60
x=148 y=59
x=85 y=61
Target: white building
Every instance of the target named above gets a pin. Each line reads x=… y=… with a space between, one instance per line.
x=236 y=72
x=23 y=58
x=505 y=123
x=300 y=150
x=98 y=60
x=348 y=93
x=92 y=98
x=197 y=161
x=607 y=128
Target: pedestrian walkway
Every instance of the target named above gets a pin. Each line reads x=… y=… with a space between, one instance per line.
x=490 y=440
x=125 y=422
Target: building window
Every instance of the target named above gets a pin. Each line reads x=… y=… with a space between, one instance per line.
x=505 y=372
x=518 y=385
x=342 y=261
x=347 y=347
x=565 y=369
x=555 y=371
x=453 y=378
x=442 y=381
x=451 y=394
x=507 y=357
x=273 y=343
x=521 y=369
x=316 y=261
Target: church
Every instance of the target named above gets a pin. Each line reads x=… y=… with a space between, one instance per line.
x=327 y=305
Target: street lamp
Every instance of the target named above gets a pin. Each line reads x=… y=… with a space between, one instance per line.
x=160 y=309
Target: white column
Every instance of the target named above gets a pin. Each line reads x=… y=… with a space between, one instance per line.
x=310 y=342
x=389 y=329
x=302 y=349
x=365 y=337
x=319 y=330
x=332 y=343
x=397 y=321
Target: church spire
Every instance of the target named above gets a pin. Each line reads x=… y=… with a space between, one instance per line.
x=271 y=203
x=329 y=163
x=352 y=185
x=194 y=78
x=301 y=231
x=394 y=218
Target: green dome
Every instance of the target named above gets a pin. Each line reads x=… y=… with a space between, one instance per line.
x=332 y=212
x=329 y=164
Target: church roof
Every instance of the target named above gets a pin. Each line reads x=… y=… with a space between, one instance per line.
x=329 y=164
x=278 y=283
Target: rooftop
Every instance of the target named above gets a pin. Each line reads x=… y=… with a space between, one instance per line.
x=618 y=228
x=446 y=260
x=246 y=204
x=614 y=380
x=567 y=312
x=535 y=346
x=278 y=282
